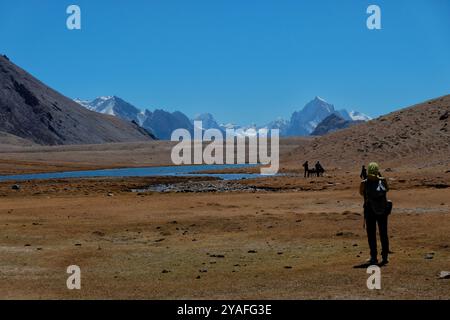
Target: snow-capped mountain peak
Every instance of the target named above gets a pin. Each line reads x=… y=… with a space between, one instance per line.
x=114 y=106
x=358 y=116
x=104 y=98
x=320 y=99
x=208 y=121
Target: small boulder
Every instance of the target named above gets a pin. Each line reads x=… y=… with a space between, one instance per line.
x=15 y=187
x=98 y=233
x=429 y=256
x=444 y=275
x=444 y=116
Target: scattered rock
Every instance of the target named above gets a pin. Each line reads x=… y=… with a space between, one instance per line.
x=252 y=251
x=344 y=234
x=165 y=271
x=160 y=240
x=201 y=186
x=287 y=267
x=440 y=185
x=444 y=116
x=444 y=275
x=110 y=194
x=77 y=244
x=15 y=187
x=217 y=256
x=429 y=256
x=198 y=277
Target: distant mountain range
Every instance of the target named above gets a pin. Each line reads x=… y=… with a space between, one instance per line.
x=31 y=111
x=161 y=123
x=333 y=123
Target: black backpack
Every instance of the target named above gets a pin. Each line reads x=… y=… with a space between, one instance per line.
x=376 y=199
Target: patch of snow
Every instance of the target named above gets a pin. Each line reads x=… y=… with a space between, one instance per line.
x=356 y=115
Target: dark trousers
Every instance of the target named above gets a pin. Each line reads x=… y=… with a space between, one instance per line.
x=372 y=220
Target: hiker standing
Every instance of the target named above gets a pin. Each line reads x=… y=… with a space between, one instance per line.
x=306 y=166
x=318 y=168
x=376 y=211
x=363 y=174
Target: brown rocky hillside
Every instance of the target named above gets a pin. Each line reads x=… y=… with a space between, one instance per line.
x=32 y=111
x=416 y=136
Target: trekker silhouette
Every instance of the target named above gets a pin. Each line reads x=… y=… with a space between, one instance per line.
x=319 y=169
x=376 y=211
x=306 y=166
x=363 y=174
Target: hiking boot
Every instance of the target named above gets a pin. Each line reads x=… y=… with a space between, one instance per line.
x=385 y=261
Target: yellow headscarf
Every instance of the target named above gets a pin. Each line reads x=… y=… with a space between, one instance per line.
x=373 y=169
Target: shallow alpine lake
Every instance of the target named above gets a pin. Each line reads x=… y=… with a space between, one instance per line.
x=186 y=171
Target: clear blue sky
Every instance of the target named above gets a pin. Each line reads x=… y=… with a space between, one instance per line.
x=244 y=61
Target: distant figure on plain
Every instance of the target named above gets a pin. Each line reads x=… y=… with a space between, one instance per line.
x=363 y=174
x=319 y=169
x=376 y=211
x=306 y=166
